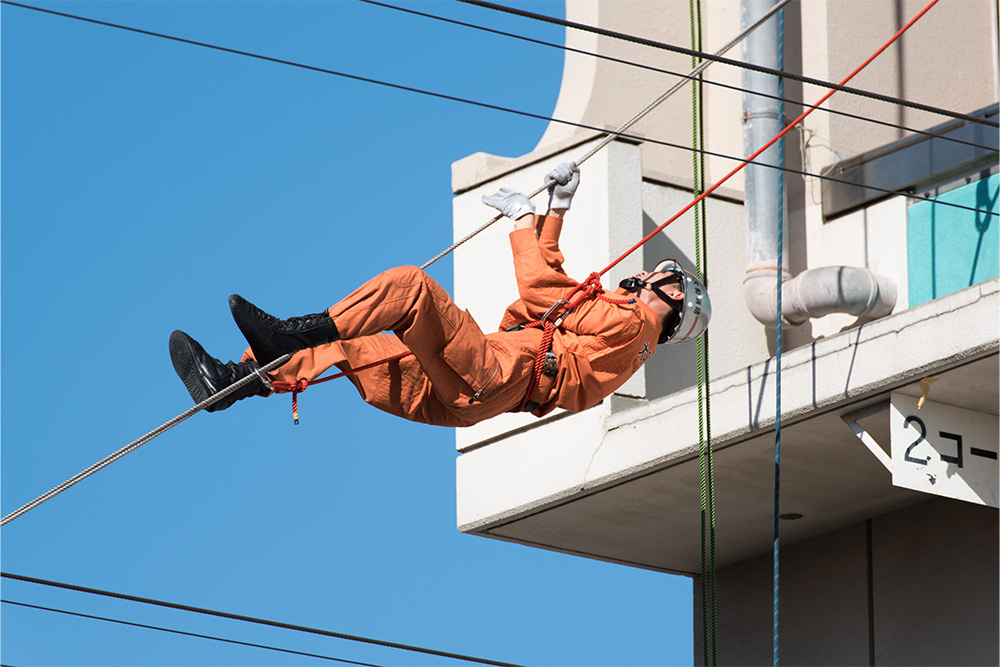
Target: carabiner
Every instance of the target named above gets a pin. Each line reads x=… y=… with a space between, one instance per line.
x=558 y=321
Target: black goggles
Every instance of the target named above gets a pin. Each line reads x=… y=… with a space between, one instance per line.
x=635 y=283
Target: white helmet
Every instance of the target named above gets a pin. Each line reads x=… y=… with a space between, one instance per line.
x=693 y=313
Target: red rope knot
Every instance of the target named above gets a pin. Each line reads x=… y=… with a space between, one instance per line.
x=592 y=287
x=297 y=387
x=283 y=387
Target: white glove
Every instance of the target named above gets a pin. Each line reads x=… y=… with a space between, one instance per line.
x=510 y=203
x=562 y=183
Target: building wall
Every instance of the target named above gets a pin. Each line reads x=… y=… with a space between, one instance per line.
x=946 y=59
x=933 y=572
x=933 y=578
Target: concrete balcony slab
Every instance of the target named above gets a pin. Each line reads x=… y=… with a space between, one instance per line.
x=620 y=482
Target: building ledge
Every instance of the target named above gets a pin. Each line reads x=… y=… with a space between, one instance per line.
x=599 y=483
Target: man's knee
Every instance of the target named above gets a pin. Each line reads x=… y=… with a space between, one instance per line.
x=414 y=280
x=406 y=275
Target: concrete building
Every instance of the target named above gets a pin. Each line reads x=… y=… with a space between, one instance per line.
x=890 y=548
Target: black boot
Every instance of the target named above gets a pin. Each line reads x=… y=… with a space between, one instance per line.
x=204 y=375
x=270 y=337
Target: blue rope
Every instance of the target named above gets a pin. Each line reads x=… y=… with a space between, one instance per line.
x=777 y=415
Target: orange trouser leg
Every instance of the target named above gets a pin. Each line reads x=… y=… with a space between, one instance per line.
x=452 y=358
x=446 y=341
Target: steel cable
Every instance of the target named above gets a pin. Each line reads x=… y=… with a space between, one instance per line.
x=729 y=61
x=135 y=444
x=620 y=131
x=607 y=139
x=281 y=360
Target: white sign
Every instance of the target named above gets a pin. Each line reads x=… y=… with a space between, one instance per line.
x=945 y=450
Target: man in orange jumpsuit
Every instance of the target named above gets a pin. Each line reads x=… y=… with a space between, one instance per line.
x=456 y=374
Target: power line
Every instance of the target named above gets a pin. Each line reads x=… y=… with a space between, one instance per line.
x=252 y=619
x=660 y=70
x=189 y=634
x=495 y=107
x=729 y=61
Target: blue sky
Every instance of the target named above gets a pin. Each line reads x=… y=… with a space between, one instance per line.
x=143 y=181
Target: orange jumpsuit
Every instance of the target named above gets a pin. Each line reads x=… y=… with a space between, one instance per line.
x=459 y=376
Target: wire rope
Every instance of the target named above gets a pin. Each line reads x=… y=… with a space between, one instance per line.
x=252 y=619
x=729 y=61
x=621 y=129
x=660 y=70
x=187 y=634
x=139 y=442
x=602 y=131
x=281 y=360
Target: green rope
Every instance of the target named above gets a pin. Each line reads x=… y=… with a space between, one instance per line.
x=708 y=598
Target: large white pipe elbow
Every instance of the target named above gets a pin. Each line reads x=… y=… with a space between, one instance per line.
x=813 y=293
x=818 y=292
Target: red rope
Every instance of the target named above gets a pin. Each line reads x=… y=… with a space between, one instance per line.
x=300 y=385
x=548 y=331
x=591 y=288
x=768 y=144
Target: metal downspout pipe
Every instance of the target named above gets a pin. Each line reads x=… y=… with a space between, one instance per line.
x=816 y=292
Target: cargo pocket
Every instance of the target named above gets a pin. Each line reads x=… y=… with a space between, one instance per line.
x=470 y=355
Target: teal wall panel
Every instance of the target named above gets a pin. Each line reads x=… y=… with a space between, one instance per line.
x=948 y=248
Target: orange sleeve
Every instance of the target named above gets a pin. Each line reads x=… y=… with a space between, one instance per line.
x=541 y=282
x=549 y=229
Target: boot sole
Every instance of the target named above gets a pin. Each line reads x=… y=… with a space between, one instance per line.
x=182 y=355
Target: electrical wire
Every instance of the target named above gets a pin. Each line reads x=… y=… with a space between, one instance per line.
x=252 y=619
x=486 y=105
x=682 y=75
x=729 y=61
x=188 y=634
